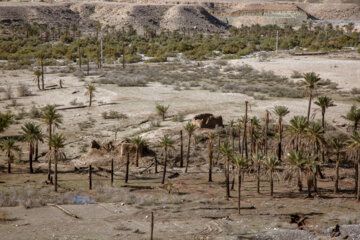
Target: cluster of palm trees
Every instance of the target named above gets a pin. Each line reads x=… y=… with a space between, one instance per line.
x=33 y=135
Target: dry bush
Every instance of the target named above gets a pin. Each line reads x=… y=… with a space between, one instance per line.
x=34 y=112
x=23 y=90
x=8 y=93
x=113 y=115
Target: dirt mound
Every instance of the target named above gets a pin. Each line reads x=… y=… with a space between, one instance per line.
x=191 y=17
x=332 y=11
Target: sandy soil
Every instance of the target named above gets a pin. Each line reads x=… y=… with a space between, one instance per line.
x=198 y=210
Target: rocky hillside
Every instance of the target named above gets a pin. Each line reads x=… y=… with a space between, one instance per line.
x=200 y=15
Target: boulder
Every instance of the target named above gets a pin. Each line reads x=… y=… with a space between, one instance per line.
x=207 y=120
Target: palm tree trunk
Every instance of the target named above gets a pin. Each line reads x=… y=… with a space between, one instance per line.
x=244 y=148
x=38 y=82
x=137 y=157
x=271 y=183
x=90 y=177
x=266 y=132
x=227 y=169
x=55 y=172
x=37 y=151
x=9 y=163
x=358 y=177
x=165 y=162
x=239 y=189
x=258 y=179
x=88 y=66
x=181 y=149
x=90 y=94
x=309 y=107
x=309 y=182
x=299 y=183
x=31 y=157
x=336 y=190
x=112 y=172
x=210 y=159
x=280 y=138
x=188 y=154
x=239 y=143
x=127 y=167
x=42 y=74
x=218 y=149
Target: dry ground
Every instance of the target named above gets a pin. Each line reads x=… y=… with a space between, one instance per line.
x=197 y=210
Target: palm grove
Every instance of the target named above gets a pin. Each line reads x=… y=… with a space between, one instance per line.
x=292 y=151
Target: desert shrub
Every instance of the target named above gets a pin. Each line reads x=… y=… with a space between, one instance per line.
x=113 y=115
x=23 y=90
x=296 y=74
x=8 y=93
x=34 y=112
x=21 y=114
x=74 y=102
x=86 y=124
x=179 y=117
x=156 y=59
x=355 y=91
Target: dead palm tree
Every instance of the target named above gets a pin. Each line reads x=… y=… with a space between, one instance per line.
x=239 y=126
x=190 y=129
x=227 y=152
x=57 y=142
x=257 y=159
x=41 y=57
x=52 y=119
x=139 y=143
x=281 y=112
x=30 y=133
x=90 y=89
x=354 y=144
x=9 y=146
x=311 y=80
x=271 y=163
x=338 y=145
x=162 y=110
x=211 y=137
x=240 y=163
x=37 y=74
x=166 y=143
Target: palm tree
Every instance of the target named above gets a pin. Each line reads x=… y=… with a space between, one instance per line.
x=211 y=137
x=189 y=128
x=297 y=129
x=8 y=145
x=6 y=119
x=315 y=134
x=30 y=133
x=257 y=159
x=354 y=144
x=281 y=112
x=324 y=103
x=52 y=119
x=353 y=116
x=239 y=126
x=310 y=165
x=227 y=151
x=296 y=159
x=139 y=143
x=41 y=57
x=162 y=110
x=232 y=133
x=271 y=163
x=90 y=89
x=166 y=143
x=57 y=142
x=240 y=163
x=37 y=74
x=311 y=80
x=338 y=145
